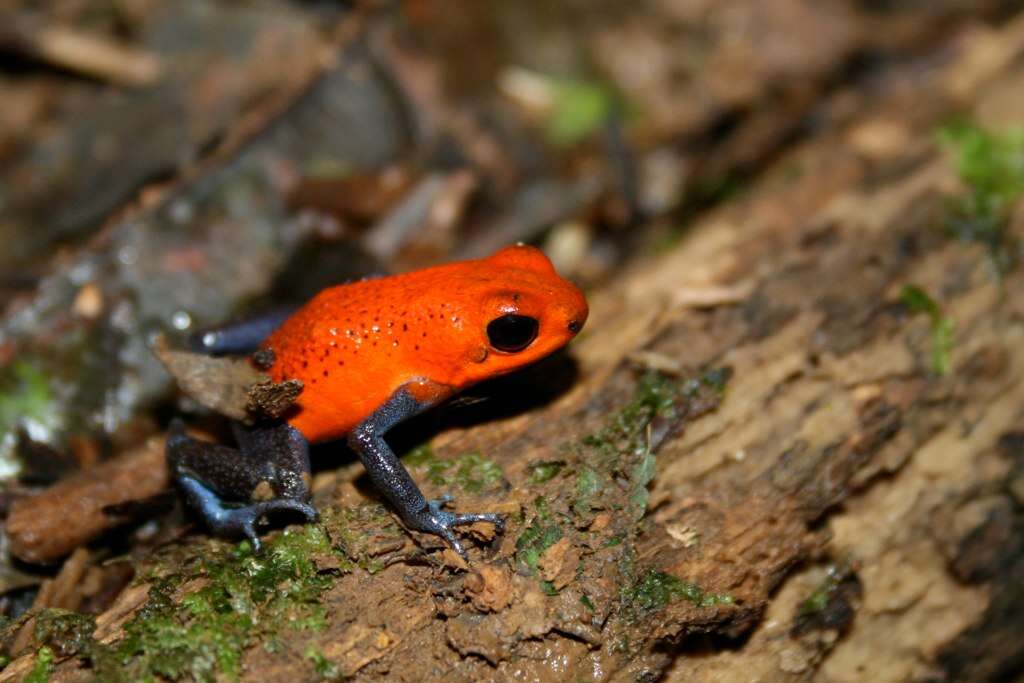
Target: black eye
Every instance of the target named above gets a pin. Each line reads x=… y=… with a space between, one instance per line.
x=512 y=333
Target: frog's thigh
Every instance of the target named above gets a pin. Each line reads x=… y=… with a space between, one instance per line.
x=271 y=462
x=270 y=472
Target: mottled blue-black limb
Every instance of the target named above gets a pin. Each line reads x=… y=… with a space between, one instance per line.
x=392 y=479
x=240 y=337
x=233 y=488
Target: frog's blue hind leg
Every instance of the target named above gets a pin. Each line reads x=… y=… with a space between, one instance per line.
x=240 y=337
x=232 y=489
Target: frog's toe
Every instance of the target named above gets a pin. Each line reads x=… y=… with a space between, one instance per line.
x=239 y=521
x=248 y=529
x=491 y=517
x=449 y=536
x=442 y=523
x=290 y=505
x=236 y=522
x=242 y=521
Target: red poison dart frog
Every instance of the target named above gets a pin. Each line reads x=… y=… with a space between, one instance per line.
x=370 y=354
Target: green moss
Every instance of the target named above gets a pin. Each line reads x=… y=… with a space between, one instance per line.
x=917 y=300
x=621 y=448
x=548 y=588
x=543 y=510
x=43 y=667
x=354 y=530
x=542 y=472
x=588 y=483
x=586 y=602
x=641 y=475
x=197 y=623
x=474 y=473
x=542 y=533
x=198 y=638
x=656 y=589
x=818 y=600
x=325 y=668
x=655 y=395
x=613 y=541
x=25 y=402
x=534 y=540
x=991 y=165
x=471 y=472
x=67 y=633
x=423 y=457
x=241 y=596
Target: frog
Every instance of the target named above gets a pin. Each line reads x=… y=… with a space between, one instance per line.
x=368 y=355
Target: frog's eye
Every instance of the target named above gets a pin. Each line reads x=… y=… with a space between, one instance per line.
x=512 y=333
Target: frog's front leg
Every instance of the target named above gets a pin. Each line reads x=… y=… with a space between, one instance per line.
x=392 y=479
x=233 y=488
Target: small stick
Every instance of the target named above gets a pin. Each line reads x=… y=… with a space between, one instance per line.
x=90 y=55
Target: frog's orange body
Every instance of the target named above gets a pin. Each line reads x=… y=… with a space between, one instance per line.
x=371 y=354
x=353 y=346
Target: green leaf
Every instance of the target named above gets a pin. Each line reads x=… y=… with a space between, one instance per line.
x=942 y=327
x=578 y=109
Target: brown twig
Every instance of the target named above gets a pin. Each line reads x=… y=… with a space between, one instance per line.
x=91 y=55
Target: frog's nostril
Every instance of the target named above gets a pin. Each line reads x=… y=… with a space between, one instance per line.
x=575 y=326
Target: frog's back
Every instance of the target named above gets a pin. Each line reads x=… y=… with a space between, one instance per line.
x=346 y=345
x=353 y=346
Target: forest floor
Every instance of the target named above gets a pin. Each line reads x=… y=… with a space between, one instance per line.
x=788 y=445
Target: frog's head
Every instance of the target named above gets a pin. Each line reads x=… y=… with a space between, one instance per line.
x=523 y=311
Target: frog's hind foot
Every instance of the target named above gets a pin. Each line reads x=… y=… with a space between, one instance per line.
x=435 y=520
x=233 y=489
x=234 y=522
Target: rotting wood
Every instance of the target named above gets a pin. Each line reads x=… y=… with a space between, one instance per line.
x=46 y=526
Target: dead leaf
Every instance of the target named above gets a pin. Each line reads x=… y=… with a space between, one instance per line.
x=490 y=588
x=558 y=563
